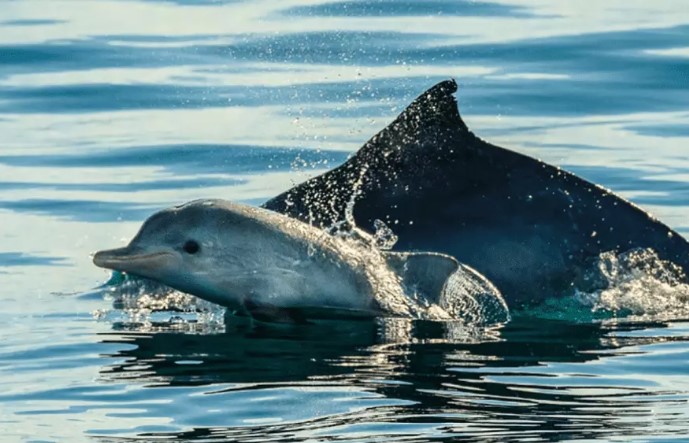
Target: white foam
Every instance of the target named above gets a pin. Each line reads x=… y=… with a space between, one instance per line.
x=635 y=284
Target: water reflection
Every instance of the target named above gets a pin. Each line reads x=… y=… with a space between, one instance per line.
x=522 y=380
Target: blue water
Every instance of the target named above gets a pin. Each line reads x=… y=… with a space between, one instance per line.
x=110 y=110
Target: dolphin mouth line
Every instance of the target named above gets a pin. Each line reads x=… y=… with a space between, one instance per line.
x=104 y=260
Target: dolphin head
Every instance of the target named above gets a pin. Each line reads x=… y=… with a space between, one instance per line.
x=201 y=247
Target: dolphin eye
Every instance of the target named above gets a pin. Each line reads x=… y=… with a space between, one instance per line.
x=191 y=247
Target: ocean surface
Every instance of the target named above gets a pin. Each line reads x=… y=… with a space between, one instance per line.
x=111 y=110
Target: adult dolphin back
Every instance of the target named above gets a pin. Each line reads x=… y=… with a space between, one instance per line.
x=526 y=225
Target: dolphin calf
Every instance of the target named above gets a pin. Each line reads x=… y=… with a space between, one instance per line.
x=529 y=227
x=277 y=268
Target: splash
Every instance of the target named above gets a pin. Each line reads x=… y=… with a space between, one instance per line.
x=635 y=285
x=357 y=189
x=384 y=237
x=144 y=302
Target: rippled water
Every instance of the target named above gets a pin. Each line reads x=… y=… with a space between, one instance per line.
x=110 y=110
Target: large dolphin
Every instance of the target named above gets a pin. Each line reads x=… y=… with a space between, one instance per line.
x=277 y=268
x=526 y=225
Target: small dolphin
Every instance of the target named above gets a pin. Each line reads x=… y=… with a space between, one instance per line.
x=529 y=227
x=276 y=268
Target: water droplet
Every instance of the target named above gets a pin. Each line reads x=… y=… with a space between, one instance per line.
x=384 y=237
x=310 y=250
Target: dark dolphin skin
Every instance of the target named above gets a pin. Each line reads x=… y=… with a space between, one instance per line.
x=526 y=225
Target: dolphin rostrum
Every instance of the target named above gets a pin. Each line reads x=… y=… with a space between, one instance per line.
x=527 y=226
x=276 y=268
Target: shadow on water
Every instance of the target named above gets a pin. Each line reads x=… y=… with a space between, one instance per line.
x=459 y=388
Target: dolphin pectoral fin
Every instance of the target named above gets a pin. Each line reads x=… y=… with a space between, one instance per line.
x=427 y=272
x=268 y=313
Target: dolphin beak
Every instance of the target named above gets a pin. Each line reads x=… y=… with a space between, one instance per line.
x=133 y=260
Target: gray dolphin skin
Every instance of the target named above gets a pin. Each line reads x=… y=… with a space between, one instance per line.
x=276 y=268
x=527 y=226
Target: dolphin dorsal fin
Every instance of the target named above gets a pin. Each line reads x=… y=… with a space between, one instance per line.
x=431 y=113
x=425 y=272
x=436 y=106
x=430 y=128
